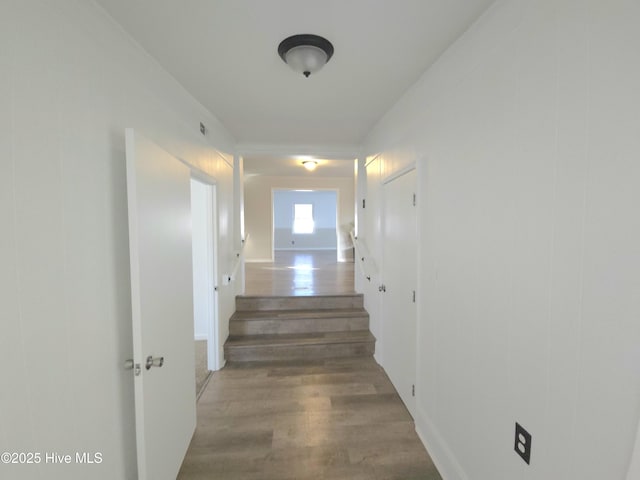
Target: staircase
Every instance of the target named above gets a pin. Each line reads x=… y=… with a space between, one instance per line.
x=296 y=328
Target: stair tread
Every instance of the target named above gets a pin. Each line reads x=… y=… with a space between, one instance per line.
x=297 y=314
x=277 y=340
x=286 y=302
x=294 y=297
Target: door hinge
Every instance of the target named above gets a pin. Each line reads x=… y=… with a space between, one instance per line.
x=414 y=296
x=413 y=390
x=363 y=203
x=414 y=199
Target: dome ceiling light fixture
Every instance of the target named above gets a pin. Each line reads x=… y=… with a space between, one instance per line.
x=310 y=165
x=305 y=53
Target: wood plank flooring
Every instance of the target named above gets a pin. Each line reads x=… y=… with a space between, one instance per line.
x=314 y=272
x=202 y=370
x=332 y=419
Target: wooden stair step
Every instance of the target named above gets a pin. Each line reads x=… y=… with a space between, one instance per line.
x=297 y=321
x=303 y=346
x=266 y=328
x=301 y=339
x=310 y=302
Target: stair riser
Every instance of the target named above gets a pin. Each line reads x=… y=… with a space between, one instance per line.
x=306 y=352
x=311 y=325
x=244 y=304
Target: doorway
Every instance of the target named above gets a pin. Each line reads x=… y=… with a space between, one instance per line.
x=203 y=208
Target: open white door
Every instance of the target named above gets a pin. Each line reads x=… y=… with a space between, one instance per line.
x=400 y=282
x=158 y=188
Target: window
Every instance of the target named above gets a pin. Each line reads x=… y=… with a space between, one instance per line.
x=303 y=218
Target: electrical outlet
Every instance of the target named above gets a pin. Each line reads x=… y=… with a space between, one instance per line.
x=523 y=443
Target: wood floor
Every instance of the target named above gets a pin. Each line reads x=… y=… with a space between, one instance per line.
x=300 y=273
x=202 y=370
x=336 y=419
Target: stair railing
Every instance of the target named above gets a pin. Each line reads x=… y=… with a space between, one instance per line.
x=238 y=259
x=364 y=257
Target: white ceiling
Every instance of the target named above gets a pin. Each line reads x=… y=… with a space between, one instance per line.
x=224 y=52
x=281 y=165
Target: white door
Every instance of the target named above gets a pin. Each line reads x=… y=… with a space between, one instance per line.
x=158 y=189
x=399 y=225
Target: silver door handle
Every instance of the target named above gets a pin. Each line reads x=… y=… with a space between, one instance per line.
x=154 y=362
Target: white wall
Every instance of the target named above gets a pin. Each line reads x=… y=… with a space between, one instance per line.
x=324 y=207
x=258 y=215
x=71 y=82
x=527 y=137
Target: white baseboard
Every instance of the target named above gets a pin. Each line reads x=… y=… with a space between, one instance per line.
x=376 y=357
x=442 y=456
x=257 y=260
x=201 y=337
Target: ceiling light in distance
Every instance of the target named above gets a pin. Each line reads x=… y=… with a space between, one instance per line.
x=310 y=165
x=305 y=53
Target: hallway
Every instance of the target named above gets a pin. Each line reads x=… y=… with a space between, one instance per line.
x=315 y=419
x=520 y=119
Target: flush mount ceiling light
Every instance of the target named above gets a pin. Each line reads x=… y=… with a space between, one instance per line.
x=305 y=53
x=310 y=165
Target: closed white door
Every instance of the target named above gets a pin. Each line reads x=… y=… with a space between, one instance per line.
x=399 y=225
x=158 y=189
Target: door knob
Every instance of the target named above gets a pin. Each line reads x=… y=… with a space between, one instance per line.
x=154 y=362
